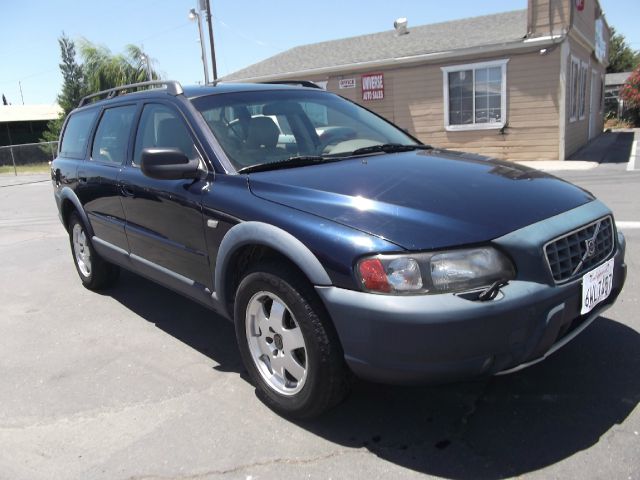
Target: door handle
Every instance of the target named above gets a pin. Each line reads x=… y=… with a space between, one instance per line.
x=82 y=177
x=127 y=191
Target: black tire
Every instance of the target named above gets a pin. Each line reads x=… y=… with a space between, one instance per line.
x=327 y=377
x=101 y=274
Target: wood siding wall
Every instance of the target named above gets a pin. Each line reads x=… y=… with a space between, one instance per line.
x=413 y=99
x=584 y=20
x=577 y=132
x=547 y=17
x=554 y=17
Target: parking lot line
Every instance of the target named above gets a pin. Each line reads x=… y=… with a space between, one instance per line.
x=628 y=224
x=631 y=165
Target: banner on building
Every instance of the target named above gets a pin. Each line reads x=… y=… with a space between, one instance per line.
x=373 y=86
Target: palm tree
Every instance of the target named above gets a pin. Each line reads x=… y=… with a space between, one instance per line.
x=104 y=70
x=100 y=70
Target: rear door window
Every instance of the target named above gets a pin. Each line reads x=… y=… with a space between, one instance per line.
x=112 y=136
x=76 y=134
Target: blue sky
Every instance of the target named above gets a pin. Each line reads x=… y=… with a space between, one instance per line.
x=246 y=31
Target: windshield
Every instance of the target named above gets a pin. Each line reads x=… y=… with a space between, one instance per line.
x=256 y=128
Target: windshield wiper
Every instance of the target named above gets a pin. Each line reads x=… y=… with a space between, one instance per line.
x=389 y=148
x=298 y=161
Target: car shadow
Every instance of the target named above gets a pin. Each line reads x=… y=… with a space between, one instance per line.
x=609 y=147
x=491 y=428
x=184 y=319
x=501 y=426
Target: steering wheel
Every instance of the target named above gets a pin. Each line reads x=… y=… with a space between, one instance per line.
x=331 y=137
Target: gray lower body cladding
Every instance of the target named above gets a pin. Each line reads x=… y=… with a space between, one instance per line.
x=439 y=338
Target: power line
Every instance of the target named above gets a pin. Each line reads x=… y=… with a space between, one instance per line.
x=29 y=76
x=247 y=37
x=162 y=32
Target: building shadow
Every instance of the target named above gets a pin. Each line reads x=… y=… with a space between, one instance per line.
x=610 y=147
x=491 y=428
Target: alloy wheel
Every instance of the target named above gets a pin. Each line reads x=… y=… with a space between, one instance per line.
x=276 y=343
x=81 y=250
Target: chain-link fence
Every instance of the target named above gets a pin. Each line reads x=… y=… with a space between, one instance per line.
x=27 y=156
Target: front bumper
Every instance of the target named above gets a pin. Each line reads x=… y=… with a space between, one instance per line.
x=437 y=338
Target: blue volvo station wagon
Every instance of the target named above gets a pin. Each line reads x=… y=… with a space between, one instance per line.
x=337 y=243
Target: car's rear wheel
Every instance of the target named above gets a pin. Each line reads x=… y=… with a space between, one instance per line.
x=94 y=271
x=288 y=343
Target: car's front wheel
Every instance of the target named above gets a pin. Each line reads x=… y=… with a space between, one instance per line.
x=288 y=343
x=95 y=272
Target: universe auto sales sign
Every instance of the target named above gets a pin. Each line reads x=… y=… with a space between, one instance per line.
x=372 y=86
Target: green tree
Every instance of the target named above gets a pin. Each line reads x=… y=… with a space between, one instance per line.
x=104 y=70
x=622 y=58
x=100 y=70
x=73 y=87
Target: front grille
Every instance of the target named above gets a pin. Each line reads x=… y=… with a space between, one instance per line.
x=576 y=252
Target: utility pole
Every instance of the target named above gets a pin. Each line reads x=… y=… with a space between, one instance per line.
x=213 y=49
x=13 y=159
x=145 y=58
x=193 y=15
x=21 y=96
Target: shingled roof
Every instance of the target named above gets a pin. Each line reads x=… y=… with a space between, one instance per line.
x=493 y=29
x=616 y=78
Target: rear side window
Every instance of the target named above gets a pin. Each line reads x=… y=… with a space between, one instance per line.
x=112 y=135
x=76 y=134
x=162 y=127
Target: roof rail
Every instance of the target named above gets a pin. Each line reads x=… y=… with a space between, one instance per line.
x=300 y=83
x=173 y=88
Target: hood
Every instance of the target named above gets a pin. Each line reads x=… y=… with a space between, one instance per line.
x=422 y=200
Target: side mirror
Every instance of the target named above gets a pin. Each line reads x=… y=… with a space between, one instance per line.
x=168 y=164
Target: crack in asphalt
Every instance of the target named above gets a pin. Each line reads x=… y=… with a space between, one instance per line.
x=264 y=463
x=99 y=414
x=24 y=183
x=463 y=426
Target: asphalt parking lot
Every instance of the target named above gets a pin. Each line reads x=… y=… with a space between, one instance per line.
x=140 y=383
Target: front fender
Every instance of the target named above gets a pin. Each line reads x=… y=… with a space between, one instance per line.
x=259 y=233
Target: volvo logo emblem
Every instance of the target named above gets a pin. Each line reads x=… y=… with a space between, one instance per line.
x=590 y=243
x=590 y=247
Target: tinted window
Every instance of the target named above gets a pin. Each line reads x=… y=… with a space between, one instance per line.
x=161 y=126
x=76 y=134
x=273 y=125
x=112 y=135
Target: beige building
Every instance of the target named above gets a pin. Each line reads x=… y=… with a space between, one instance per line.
x=521 y=85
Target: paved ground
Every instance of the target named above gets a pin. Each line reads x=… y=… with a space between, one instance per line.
x=139 y=383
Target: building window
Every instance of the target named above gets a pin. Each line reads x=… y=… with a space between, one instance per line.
x=578 y=89
x=601 y=96
x=584 y=70
x=574 y=89
x=475 y=95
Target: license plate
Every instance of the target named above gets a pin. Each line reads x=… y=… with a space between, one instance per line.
x=596 y=286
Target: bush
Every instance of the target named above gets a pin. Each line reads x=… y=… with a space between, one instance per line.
x=630 y=93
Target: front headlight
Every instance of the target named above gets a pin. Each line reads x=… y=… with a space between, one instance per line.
x=434 y=272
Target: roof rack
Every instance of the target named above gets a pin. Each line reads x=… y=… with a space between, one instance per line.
x=300 y=83
x=173 y=88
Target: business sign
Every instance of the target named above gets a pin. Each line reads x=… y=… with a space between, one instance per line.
x=347 y=83
x=601 y=42
x=373 y=86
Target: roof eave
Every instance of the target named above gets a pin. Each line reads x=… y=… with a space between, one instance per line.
x=524 y=44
